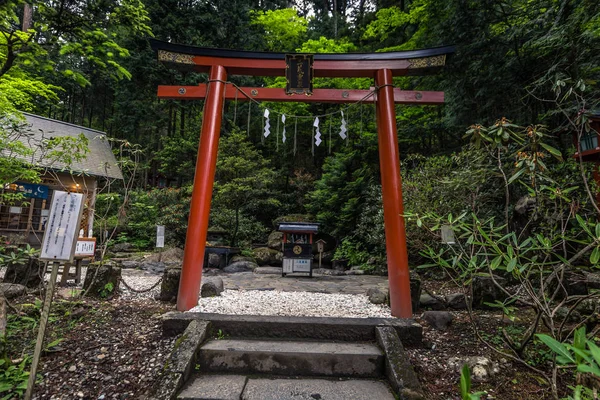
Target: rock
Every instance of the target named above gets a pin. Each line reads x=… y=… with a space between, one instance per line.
x=122 y=248
x=589 y=306
x=377 y=296
x=482 y=368
x=429 y=302
x=241 y=258
x=130 y=264
x=240 y=266
x=592 y=280
x=327 y=271
x=439 y=320
x=102 y=280
x=172 y=254
x=211 y=287
x=415 y=290
x=354 y=272
x=12 y=290
x=153 y=267
x=274 y=241
x=268 y=270
x=72 y=368
x=485 y=291
x=214 y=260
x=29 y=274
x=266 y=256
x=170 y=284
x=562 y=312
x=456 y=301
x=340 y=265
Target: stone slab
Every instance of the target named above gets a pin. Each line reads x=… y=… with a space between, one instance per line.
x=311 y=389
x=268 y=270
x=214 y=387
x=398 y=368
x=318 y=328
x=307 y=358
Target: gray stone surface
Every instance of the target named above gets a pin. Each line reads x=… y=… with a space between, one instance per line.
x=12 y=290
x=153 y=267
x=240 y=266
x=313 y=389
x=319 y=328
x=429 y=302
x=98 y=277
x=268 y=270
x=307 y=358
x=398 y=369
x=274 y=240
x=456 y=301
x=482 y=368
x=485 y=291
x=328 y=271
x=211 y=286
x=181 y=361
x=170 y=284
x=439 y=320
x=214 y=260
x=267 y=256
x=214 y=387
x=130 y=264
x=377 y=296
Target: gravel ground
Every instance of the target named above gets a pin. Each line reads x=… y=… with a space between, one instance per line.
x=307 y=304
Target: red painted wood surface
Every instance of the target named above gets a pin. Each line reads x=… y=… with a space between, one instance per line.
x=393 y=209
x=321 y=68
x=195 y=240
x=319 y=95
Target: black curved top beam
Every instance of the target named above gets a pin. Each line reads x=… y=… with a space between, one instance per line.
x=263 y=55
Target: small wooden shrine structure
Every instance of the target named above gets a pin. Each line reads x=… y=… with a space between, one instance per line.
x=297 y=246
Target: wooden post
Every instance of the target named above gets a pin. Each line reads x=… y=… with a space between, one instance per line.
x=391 y=185
x=41 y=331
x=78 y=271
x=206 y=163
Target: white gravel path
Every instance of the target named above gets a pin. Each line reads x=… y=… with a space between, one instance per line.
x=306 y=304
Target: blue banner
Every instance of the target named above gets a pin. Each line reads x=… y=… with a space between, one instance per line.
x=33 y=191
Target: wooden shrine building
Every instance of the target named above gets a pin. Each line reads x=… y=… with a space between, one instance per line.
x=25 y=221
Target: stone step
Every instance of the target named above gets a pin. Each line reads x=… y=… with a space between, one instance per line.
x=236 y=387
x=292 y=358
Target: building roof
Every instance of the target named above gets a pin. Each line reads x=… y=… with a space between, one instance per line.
x=100 y=160
x=298 y=227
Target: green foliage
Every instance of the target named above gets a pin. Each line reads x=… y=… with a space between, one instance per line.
x=13 y=378
x=583 y=354
x=107 y=290
x=284 y=29
x=465 y=385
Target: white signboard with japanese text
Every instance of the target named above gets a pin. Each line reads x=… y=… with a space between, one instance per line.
x=86 y=247
x=62 y=227
x=160 y=236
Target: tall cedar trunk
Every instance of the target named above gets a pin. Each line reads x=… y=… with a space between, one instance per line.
x=237 y=225
x=182 y=121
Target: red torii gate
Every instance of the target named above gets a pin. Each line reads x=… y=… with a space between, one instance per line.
x=220 y=63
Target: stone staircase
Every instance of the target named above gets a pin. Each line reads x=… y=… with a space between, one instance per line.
x=298 y=358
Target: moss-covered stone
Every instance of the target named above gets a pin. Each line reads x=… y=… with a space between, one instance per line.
x=266 y=256
x=102 y=280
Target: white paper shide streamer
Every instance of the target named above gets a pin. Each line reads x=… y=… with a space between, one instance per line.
x=283 y=138
x=343 y=129
x=267 y=123
x=317 y=132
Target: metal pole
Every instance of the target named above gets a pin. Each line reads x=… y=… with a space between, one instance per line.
x=195 y=242
x=393 y=210
x=42 y=330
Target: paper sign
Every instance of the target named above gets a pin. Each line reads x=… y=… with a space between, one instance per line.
x=62 y=227
x=86 y=247
x=160 y=236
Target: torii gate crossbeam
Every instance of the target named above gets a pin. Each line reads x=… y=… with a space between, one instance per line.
x=382 y=67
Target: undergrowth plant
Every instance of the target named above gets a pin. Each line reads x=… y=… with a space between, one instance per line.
x=528 y=257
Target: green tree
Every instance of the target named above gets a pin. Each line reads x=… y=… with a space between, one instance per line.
x=243 y=180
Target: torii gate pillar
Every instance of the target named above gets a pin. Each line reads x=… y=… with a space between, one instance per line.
x=391 y=186
x=195 y=239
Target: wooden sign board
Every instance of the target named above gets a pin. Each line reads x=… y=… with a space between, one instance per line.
x=299 y=74
x=62 y=227
x=85 y=247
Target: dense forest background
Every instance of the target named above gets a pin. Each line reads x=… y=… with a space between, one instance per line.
x=90 y=63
